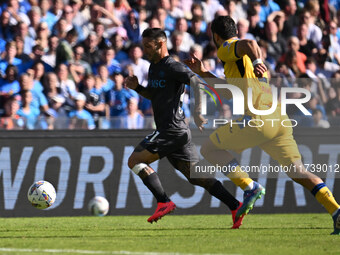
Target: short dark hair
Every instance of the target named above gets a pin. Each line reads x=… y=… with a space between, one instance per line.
x=73 y=32
x=224 y=26
x=135 y=45
x=251 y=12
x=14 y=68
x=196 y=19
x=310 y=60
x=284 y=3
x=154 y=33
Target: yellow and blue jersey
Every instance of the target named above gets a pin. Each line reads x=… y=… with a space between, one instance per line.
x=275 y=139
x=239 y=72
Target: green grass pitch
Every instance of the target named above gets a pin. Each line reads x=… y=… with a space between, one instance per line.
x=172 y=235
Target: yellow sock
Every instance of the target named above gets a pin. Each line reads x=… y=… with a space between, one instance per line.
x=326 y=198
x=239 y=178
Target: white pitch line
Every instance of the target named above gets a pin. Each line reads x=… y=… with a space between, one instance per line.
x=104 y=252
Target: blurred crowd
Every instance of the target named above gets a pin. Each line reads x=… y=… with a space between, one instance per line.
x=63 y=62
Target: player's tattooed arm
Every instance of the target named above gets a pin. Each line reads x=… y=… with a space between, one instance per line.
x=253 y=51
x=132 y=83
x=196 y=84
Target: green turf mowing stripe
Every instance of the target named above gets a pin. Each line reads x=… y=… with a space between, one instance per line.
x=103 y=252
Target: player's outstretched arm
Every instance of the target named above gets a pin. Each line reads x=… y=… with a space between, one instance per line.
x=132 y=83
x=253 y=51
x=197 y=66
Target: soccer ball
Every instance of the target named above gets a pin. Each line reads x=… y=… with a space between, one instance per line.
x=98 y=206
x=41 y=194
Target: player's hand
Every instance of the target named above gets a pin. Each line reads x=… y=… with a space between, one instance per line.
x=195 y=64
x=200 y=121
x=259 y=70
x=131 y=82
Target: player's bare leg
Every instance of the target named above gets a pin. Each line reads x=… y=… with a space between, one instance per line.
x=139 y=163
x=319 y=189
x=300 y=175
x=252 y=189
x=215 y=155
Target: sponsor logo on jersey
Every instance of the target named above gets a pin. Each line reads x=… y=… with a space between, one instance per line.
x=157 y=83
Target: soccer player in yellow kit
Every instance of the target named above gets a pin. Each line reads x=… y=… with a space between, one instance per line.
x=244 y=68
